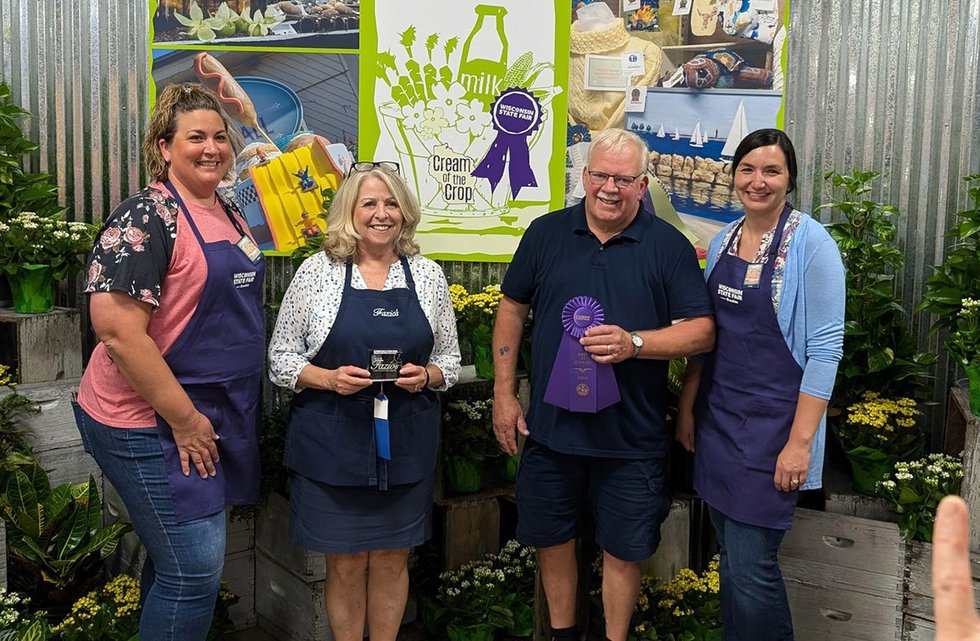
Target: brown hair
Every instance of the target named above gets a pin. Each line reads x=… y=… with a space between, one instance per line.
x=173 y=101
x=341 y=242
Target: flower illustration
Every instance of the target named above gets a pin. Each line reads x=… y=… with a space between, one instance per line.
x=447 y=98
x=135 y=237
x=433 y=121
x=472 y=118
x=413 y=114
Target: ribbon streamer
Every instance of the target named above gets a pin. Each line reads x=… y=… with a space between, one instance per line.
x=516 y=115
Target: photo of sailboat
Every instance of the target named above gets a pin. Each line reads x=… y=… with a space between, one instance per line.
x=696 y=136
x=660 y=132
x=738 y=130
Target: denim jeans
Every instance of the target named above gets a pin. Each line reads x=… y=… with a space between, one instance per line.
x=754 y=606
x=182 y=573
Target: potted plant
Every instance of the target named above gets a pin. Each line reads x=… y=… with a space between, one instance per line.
x=20 y=190
x=467 y=440
x=474 y=322
x=876 y=433
x=915 y=489
x=880 y=353
x=471 y=602
x=36 y=252
x=955 y=285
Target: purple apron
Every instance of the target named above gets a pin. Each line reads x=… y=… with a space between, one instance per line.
x=331 y=437
x=747 y=398
x=218 y=360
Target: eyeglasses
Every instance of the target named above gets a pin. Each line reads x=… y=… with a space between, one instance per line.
x=599 y=178
x=390 y=165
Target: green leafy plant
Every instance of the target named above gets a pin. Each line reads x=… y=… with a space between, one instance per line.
x=14 y=408
x=55 y=539
x=21 y=190
x=18 y=620
x=111 y=613
x=468 y=430
x=915 y=489
x=880 y=353
x=957 y=279
x=30 y=239
x=474 y=322
x=963 y=343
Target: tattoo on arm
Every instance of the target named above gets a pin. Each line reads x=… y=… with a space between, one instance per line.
x=504 y=350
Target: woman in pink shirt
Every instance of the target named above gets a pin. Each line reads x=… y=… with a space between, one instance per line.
x=169 y=403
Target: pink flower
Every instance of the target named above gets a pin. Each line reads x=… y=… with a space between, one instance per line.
x=165 y=214
x=95 y=272
x=146 y=296
x=110 y=238
x=135 y=237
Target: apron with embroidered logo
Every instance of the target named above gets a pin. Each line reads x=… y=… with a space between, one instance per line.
x=331 y=436
x=219 y=359
x=747 y=398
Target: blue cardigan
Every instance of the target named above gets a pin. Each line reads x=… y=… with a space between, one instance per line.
x=810 y=316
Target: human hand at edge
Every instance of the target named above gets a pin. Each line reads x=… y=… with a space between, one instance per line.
x=684 y=433
x=348 y=379
x=952 y=581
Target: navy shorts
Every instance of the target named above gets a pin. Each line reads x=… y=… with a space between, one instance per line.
x=628 y=497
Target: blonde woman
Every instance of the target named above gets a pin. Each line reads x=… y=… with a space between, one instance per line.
x=362 y=453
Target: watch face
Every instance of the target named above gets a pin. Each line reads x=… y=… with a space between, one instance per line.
x=637 y=341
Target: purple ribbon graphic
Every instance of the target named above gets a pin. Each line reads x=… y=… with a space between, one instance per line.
x=516 y=115
x=577 y=383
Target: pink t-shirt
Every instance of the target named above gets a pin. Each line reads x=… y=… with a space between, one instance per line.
x=104 y=393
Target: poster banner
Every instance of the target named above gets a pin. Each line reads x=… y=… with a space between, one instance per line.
x=470 y=103
x=287 y=76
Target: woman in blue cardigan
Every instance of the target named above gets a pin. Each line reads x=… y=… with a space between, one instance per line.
x=754 y=411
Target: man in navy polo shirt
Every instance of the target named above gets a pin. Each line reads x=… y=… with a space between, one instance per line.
x=644 y=275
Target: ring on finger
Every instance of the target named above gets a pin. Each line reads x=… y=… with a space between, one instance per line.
x=608 y=349
x=794 y=481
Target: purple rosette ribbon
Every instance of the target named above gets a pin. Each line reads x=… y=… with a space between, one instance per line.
x=577 y=383
x=516 y=115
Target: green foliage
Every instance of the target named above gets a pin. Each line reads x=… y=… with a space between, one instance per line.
x=14 y=408
x=957 y=279
x=55 y=537
x=111 y=613
x=880 y=353
x=31 y=239
x=915 y=489
x=468 y=430
x=497 y=590
x=883 y=424
x=21 y=190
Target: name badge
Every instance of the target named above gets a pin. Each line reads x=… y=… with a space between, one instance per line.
x=384 y=364
x=752 y=276
x=249 y=248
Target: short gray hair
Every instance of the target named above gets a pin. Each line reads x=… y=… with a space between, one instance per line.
x=615 y=140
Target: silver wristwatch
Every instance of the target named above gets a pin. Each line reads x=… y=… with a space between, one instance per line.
x=637 y=343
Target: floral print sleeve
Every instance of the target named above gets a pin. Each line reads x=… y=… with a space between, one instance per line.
x=133 y=250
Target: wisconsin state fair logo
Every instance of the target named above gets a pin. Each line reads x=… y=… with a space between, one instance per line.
x=582 y=389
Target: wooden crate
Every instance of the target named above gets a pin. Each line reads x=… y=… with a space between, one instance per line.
x=42 y=347
x=959 y=403
x=919 y=621
x=865 y=507
x=468 y=527
x=272 y=538
x=54 y=435
x=958 y=419
x=844 y=577
x=674 y=552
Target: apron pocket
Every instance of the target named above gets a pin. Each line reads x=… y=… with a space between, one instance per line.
x=765 y=432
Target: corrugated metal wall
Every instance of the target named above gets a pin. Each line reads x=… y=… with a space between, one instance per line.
x=890 y=86
x=884 y=85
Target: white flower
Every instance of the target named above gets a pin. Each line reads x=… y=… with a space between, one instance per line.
x=433 y=120
x=473 y=119
x=447 y=98
x=412 y=115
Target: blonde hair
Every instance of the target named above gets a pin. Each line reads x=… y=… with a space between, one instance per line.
x=173 y=101
x=341 y=242
x=615 y=140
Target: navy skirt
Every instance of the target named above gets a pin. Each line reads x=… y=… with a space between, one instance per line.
x=344 y=520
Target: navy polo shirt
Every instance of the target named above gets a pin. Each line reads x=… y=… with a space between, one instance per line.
x=644 y=278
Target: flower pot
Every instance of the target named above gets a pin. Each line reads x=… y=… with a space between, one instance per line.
x=464 y=475
x=973 y=375
x=869 y=466
x=473 y=632
x=32 y=287
x=507 y=465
